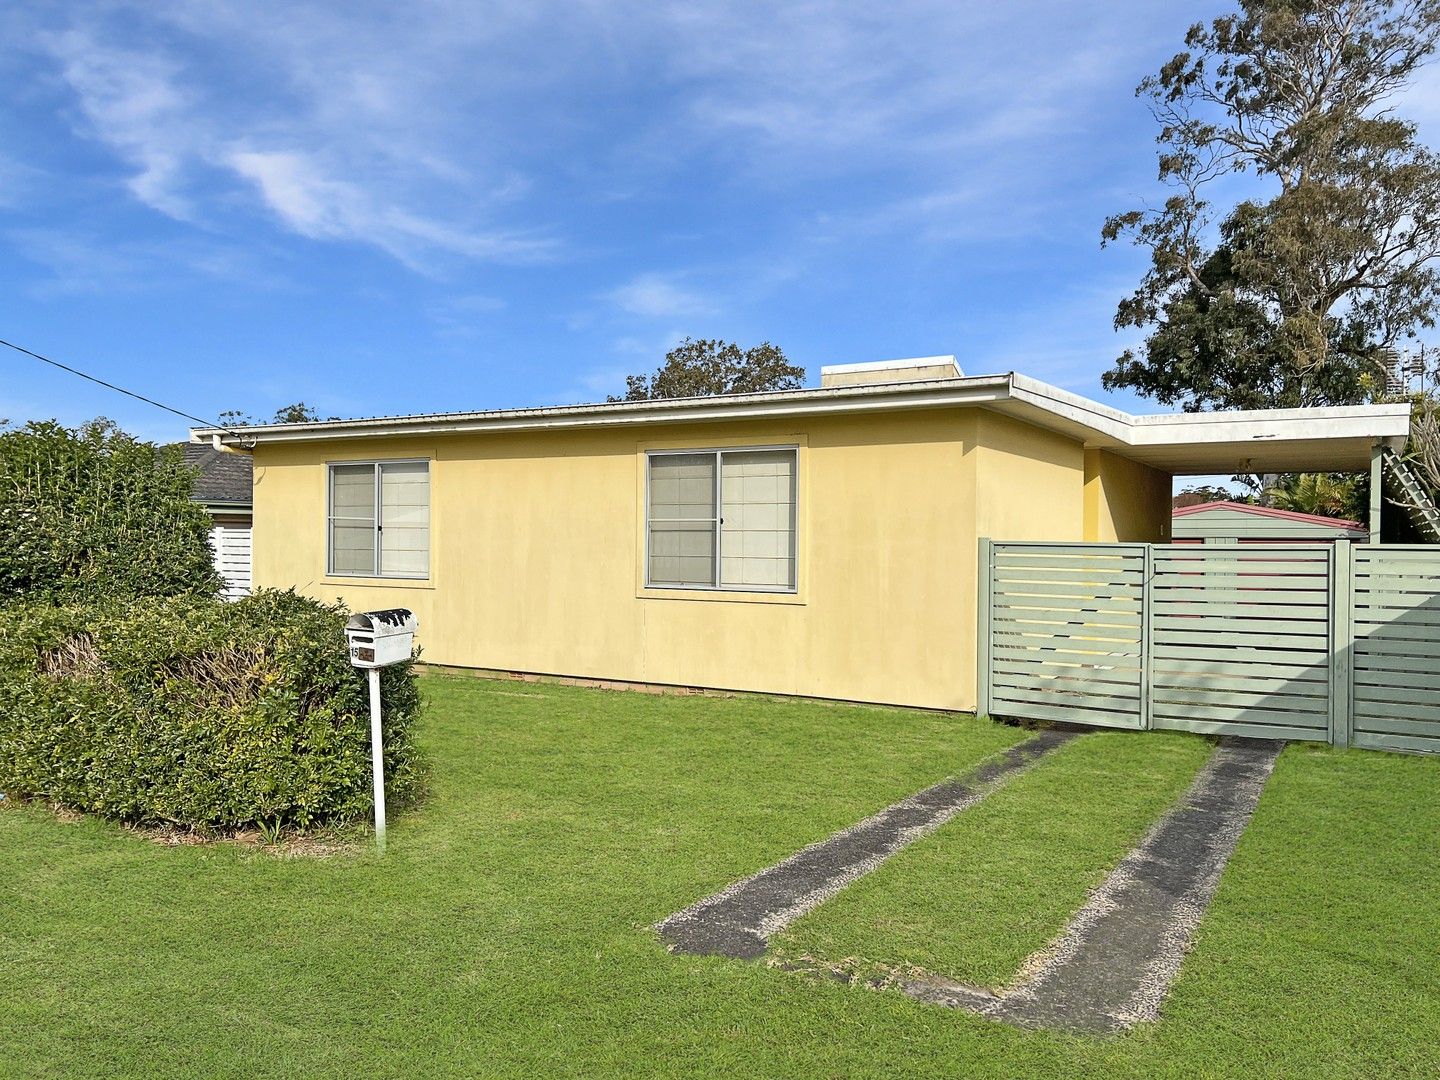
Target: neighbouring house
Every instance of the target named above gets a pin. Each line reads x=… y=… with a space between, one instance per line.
x=1241 y=523
x=223 y=487
x=819 y=542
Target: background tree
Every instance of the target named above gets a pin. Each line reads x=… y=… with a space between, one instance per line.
x=1325 y=494
x=1296 y=299
x=704 y=367
x=94 y=514
x=1196 y=494
x=298 y=413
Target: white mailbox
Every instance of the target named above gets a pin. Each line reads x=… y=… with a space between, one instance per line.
x=381 y=638
x=378 y=639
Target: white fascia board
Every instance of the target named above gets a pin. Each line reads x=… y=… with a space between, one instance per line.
x=937 y=393
x=1112 y=426
x=1378 y=422
x=1091 y=422
x=1106 y=424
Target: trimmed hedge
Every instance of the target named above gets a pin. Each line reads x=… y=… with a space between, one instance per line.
x=92 y=515
x=198 y=713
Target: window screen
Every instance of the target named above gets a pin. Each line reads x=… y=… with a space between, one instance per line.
x=682 y=519
x=380 y=519
x=757 y=534
x=405 y=518
x=352 y=519
x=722 y=519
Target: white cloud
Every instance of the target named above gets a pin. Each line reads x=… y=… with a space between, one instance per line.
x=653 y=296
x=129 y=98
x=909 y=82
x=312 y=204
x=432 y=131
x=318 y=206
x=333 y=159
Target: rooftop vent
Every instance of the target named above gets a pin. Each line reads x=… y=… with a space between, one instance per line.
x=920 y=369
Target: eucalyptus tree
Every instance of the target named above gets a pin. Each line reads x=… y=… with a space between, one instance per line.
x=1300 y=293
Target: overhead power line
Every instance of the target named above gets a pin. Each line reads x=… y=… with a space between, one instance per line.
x=118 y=389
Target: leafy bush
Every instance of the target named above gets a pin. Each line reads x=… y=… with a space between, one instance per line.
x=196 y=712
x=94 y=514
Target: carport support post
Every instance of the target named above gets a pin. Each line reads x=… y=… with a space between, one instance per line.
x=1342 y=641
x=377 y=759
x=1377 y=482
x=983 y=629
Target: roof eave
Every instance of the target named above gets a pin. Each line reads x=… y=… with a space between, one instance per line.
x=1184 y=443
x=937 y=394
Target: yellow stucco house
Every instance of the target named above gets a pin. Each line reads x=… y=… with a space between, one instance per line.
x=818 y=542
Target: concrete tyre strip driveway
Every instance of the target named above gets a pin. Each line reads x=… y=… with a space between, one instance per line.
x=739 y=920
x=1113 y=964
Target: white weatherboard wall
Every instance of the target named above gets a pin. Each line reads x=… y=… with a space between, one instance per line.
x=230 y=545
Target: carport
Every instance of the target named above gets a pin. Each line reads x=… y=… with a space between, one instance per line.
x=1327 y=642
x=1350 y=438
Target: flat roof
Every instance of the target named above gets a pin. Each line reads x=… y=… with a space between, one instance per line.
x=1336 y=438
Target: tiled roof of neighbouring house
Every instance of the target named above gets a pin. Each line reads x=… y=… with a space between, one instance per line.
x=224 y=476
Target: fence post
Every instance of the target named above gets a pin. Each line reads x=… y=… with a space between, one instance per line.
x=1342 y=641
x=983 y=628
x=1147 y=634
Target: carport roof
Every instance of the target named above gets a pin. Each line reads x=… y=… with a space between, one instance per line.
x=1282 y=440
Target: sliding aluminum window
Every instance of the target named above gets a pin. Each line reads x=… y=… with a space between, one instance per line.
x=721 y=519
x=378 y=519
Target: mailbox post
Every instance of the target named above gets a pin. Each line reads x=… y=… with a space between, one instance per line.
x=378 y=639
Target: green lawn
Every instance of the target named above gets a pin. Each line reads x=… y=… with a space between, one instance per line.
x=506 y=932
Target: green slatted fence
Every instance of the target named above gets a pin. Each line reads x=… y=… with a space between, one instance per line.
x=1395 y=703
x=1325 y=642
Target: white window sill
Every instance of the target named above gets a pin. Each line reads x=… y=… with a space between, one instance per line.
x=722 y=596
x=378 y=582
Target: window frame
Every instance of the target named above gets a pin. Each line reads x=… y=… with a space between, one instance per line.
x=376 y=466
x=718 y=452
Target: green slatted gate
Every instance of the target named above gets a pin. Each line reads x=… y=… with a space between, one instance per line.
x=1241 y=639
x=1395 y=703
x=1065 y=636
x=1321 y=642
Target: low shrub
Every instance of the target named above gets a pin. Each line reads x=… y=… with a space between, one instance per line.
x=194 y=712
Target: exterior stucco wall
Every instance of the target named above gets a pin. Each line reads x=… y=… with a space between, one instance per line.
x=1029 y=482
x=1125 y=500
x=537 y=542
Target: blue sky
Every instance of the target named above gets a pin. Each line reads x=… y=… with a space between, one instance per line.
x=384 y=208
